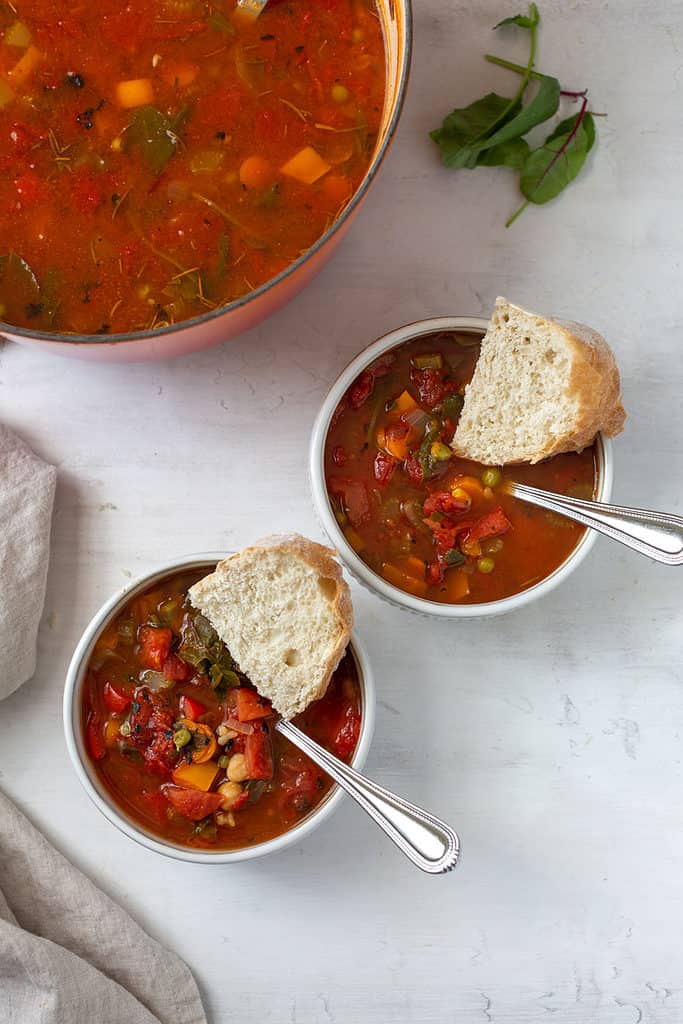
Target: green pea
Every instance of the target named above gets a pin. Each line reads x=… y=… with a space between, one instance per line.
x=181 y=737
x=486 y=565
x=440 y=452
x=223 y=761
x=491 y=477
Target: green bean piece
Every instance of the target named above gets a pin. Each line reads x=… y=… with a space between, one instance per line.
x=452 y=407
x=431 y=361
x=124 y=729
x=223 y=761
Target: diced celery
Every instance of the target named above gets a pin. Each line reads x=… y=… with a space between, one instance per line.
x=18 y=34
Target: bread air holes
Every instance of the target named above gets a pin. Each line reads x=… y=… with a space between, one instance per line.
x=329 y=587
x=550 y=355
x=292 y=657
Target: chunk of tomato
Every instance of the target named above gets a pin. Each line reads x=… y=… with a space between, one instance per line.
x=115 y=699
x=191 y=708
x=345 y=741
x=383 y=468
x=258 y=752
x=251 y=705
x=155 y=645
x=192 y=803
x=177 y=670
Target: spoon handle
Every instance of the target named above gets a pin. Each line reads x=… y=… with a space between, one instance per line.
x=658 y=535
x=428 y=842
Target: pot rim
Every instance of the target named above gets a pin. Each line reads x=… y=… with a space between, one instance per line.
x=75 y=740
x=403 y=75
x=352 y=561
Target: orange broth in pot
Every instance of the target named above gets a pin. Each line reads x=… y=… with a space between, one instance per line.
x=164 y=158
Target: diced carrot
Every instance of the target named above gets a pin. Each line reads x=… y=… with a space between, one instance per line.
x=456 y=585
x=6 y=94
x=398 y=437
x=405 y=402
x=306 y=166
x=398 y=578
x=354 y=538
x=26 y=65
x=196 y=776
x=111 y=732
x=337 y=188
x=413 y=566
x=256 y=172
x=135 y=92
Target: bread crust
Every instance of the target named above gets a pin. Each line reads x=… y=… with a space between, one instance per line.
x=321 y=559
x=594 y=384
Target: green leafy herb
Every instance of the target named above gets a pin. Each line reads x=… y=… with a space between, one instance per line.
x=529 y=20
x=556 y=163
x=202 y=648
x=154 y=135
x=490 y=132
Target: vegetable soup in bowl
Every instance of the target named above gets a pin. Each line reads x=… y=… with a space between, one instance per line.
x=204 y=161
x=175 y=746
x=420 y=526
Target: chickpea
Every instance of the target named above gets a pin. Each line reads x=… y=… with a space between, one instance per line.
x=225 y=818
x=237 y=768
x=231 y=792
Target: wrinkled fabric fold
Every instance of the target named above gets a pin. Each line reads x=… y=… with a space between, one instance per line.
x=68 y=953
x=27 y=489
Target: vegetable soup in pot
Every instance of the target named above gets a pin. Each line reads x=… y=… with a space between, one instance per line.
x=181 y=740
x=432 y=524
x=165 y=157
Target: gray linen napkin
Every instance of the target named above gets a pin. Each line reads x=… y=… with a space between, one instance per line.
x=68 y=954
x=27 y=488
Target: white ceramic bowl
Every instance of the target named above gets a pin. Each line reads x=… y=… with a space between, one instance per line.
x=98 y=794
x=354 y=563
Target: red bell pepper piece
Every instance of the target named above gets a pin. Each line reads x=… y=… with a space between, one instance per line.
x=259 y=754
x=250 y=705
x=176 y=670
x=192 y=803
x=115 y=700
x=191 y=708
x=95 y=739
x=491 y=525
x=442 y=501
x=155 y=645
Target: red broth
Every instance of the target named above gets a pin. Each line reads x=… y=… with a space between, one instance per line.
x=434 y=525
x=165 y=157
x=165 y=724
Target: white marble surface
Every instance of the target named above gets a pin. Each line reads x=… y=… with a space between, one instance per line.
x=551 y=738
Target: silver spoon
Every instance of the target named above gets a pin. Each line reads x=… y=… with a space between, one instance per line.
x=428 y=842
x=658 y=535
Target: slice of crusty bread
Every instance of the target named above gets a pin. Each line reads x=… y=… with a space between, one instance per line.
x=540 y=387
x=284 y=610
